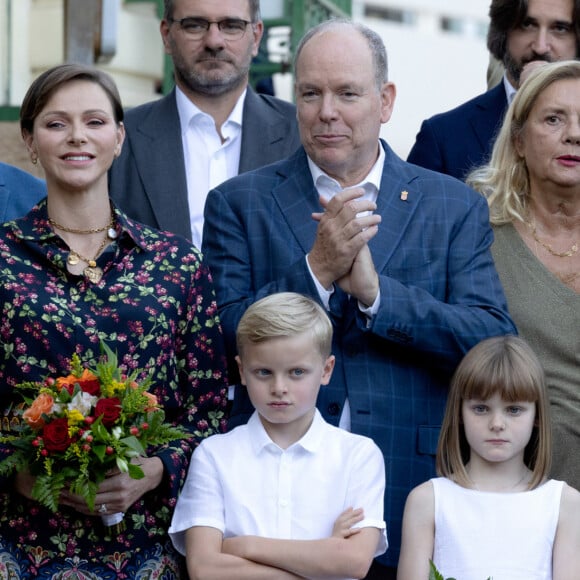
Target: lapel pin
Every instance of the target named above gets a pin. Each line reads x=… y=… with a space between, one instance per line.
x=404 y=195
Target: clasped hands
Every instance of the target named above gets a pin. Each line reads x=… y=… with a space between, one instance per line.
x=340 y=254
x=118 y=491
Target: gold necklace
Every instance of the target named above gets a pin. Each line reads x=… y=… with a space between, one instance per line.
x=566 y=254
x=92 y=271
x=109 y=226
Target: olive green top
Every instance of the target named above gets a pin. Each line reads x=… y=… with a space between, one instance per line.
x=547 y=315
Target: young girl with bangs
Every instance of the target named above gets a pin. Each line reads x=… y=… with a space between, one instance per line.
x=494 y=512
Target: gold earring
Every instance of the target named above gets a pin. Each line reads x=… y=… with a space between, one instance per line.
x=34 y=158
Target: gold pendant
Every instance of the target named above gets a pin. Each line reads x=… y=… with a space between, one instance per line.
x=93 y=274
x=72 y=259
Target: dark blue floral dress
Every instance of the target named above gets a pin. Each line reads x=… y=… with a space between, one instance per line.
x=155 y=307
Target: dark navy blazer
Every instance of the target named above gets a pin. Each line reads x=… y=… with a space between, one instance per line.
x=440 y=295
x=19 y=192
x=148 y=179
x=460 y=140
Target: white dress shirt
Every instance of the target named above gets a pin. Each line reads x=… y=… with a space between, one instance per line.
x=510 y=90
x=208 y=160
x=242 y=483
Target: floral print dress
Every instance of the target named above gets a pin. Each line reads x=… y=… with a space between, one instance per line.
x=155 y=308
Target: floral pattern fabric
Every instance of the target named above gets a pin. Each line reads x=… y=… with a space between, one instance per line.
x=155 y=308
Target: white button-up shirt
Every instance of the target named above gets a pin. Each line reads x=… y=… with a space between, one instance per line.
x=208 y=160
x=242 y=483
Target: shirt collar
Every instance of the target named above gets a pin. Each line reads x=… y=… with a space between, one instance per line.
x=373 y=178
x=311 y=441
x=187 y=110
x=510 y=91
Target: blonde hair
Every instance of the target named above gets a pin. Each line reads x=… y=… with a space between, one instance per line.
x=505 y=365
x=504 y=180
x=282 y=315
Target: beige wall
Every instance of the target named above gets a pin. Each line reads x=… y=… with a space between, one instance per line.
x=13 y=151
x=32 y=40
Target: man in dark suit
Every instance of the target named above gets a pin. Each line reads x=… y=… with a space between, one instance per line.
x=212 y=126
x=19 y=192
x=520 y=32
x=398 y=255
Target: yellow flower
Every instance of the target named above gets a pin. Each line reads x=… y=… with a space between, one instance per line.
x=113 y=388
x=74 y=417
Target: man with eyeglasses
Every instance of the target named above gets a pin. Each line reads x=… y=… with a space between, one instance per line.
x=211 y=127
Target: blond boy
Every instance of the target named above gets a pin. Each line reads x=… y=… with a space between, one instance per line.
x=287 y=495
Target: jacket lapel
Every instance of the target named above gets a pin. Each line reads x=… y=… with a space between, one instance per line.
x=262 y=128
x=397 y=202
x=488 y=116
x=158 y=144
x=297 y=199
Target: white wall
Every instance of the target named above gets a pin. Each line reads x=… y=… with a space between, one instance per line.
x=433 y=70
x=432 y=74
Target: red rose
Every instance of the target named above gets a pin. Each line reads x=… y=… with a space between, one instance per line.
x=55 y=435
x=89 y=383
x=110 y=409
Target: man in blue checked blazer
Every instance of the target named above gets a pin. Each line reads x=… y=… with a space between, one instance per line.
x=399 y=256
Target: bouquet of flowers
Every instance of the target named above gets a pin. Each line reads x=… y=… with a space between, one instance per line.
x=76 y=428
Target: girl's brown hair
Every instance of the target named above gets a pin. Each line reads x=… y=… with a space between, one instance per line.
x=505 y=365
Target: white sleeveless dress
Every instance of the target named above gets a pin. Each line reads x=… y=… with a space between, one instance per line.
x=505 y=536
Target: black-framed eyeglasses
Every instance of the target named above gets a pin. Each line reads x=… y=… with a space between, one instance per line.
x=197 y=28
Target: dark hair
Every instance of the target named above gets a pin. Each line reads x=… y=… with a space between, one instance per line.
x=375 y=42
x=169 y=6
x=45 y=85
x=507 y=15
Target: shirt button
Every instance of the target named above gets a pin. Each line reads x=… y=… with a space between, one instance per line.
x=283 y=502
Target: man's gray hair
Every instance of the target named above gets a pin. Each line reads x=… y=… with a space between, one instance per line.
x=375 y=42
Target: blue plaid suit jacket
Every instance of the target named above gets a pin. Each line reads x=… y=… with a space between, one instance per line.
x=440 y=295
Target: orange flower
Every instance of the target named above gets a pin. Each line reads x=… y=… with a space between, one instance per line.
x=41 y=405
x=88 y=383
x=153 y=402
